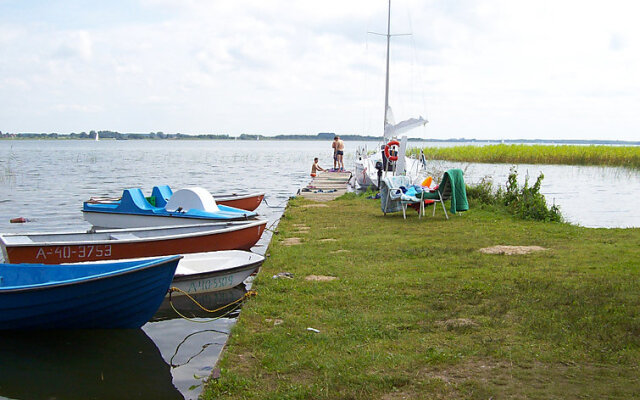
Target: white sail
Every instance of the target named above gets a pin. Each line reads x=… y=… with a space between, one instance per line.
x=391 y=129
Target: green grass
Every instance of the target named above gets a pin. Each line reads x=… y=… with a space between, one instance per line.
x=418 y=312
x=612 y=156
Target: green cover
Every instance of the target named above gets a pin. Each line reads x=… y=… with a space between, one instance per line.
x=458 y=190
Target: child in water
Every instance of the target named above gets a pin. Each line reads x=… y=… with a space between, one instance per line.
x=315 y=168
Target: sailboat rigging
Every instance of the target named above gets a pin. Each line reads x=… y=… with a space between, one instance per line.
x=367 y=166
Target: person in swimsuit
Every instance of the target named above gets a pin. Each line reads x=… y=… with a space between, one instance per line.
x=338 y=152
x=315 y=168
x=335 y=152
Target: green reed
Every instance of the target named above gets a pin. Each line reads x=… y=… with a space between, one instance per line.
x=611 y=156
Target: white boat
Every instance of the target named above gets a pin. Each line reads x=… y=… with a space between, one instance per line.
x=214 y=271
x=368 y=167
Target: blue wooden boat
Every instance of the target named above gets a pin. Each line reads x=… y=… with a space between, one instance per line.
x=186 y=206
x=86 y=296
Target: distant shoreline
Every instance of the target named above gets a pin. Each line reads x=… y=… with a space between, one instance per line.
x=109 y=135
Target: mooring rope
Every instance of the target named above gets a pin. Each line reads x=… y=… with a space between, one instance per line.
x=237 y=304
x=278 y=206
x=270 y=227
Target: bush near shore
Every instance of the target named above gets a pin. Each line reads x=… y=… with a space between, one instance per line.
x=418 y=311
x=612 y=156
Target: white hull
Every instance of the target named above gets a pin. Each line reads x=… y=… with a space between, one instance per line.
x=127 y=221
x=367 y=175
x=214 y=271
x=211 y=271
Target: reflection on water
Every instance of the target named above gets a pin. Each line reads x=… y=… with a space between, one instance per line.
x=46 y=182
x=190 y=345
x=83 y=364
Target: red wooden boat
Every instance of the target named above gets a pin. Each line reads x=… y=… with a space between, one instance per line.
x=60 y=247
x=247 y=202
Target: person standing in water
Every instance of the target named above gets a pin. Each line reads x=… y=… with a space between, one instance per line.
x=338 y=153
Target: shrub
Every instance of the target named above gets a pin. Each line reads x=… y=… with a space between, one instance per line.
x=524 y=202
x=482 y=193
x=527 y=202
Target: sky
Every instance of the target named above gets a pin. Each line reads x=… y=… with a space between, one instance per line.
x=483 y=69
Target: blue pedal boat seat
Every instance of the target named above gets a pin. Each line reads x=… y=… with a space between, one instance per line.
x=161 y=194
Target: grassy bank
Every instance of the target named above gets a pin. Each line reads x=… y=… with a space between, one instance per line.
x=418 y=312
x=611 y=156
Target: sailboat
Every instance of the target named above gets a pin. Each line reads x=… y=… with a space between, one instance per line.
x=390 y=156
x=97 y=137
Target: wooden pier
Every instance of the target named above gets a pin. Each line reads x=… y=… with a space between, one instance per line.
x=326 y=186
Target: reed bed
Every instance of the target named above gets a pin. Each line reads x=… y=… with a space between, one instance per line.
x=610 y=156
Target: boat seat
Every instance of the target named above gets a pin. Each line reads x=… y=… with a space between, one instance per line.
x=162 y=194
x=123 y=236
x=134 y=199
x=17 y=240
x=186 y=270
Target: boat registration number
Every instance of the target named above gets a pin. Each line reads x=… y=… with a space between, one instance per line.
x=208 y=284
x=75 y=252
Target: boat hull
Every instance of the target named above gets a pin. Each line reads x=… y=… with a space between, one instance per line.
x=124 y=244
x=247 y=202
x=366 y=174
x=212 y=272
x=126 y=299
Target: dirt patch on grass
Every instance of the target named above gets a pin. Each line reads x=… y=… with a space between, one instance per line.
x=457 y=323
x=341 y=251
x=275 y=321
x=292 y=241
x=511 y=250
x=315 y=205
x=480 y=370
x=398 y=396
x=328 y=240
x=320 y=278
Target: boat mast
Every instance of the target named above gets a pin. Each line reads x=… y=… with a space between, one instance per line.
x=386 y=90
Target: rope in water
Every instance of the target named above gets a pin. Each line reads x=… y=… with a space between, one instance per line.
x=237 y=304
x=278 y=206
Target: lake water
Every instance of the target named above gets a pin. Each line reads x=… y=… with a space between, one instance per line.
x=46 y=182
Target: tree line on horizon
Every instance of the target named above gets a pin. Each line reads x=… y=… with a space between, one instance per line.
x=180 y=136
x=320 y=136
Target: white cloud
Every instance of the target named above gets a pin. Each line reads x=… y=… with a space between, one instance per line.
x=485 y=68
x=74 y=45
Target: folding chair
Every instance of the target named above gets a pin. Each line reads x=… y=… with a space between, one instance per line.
x=451 y=187
x=393 y=198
